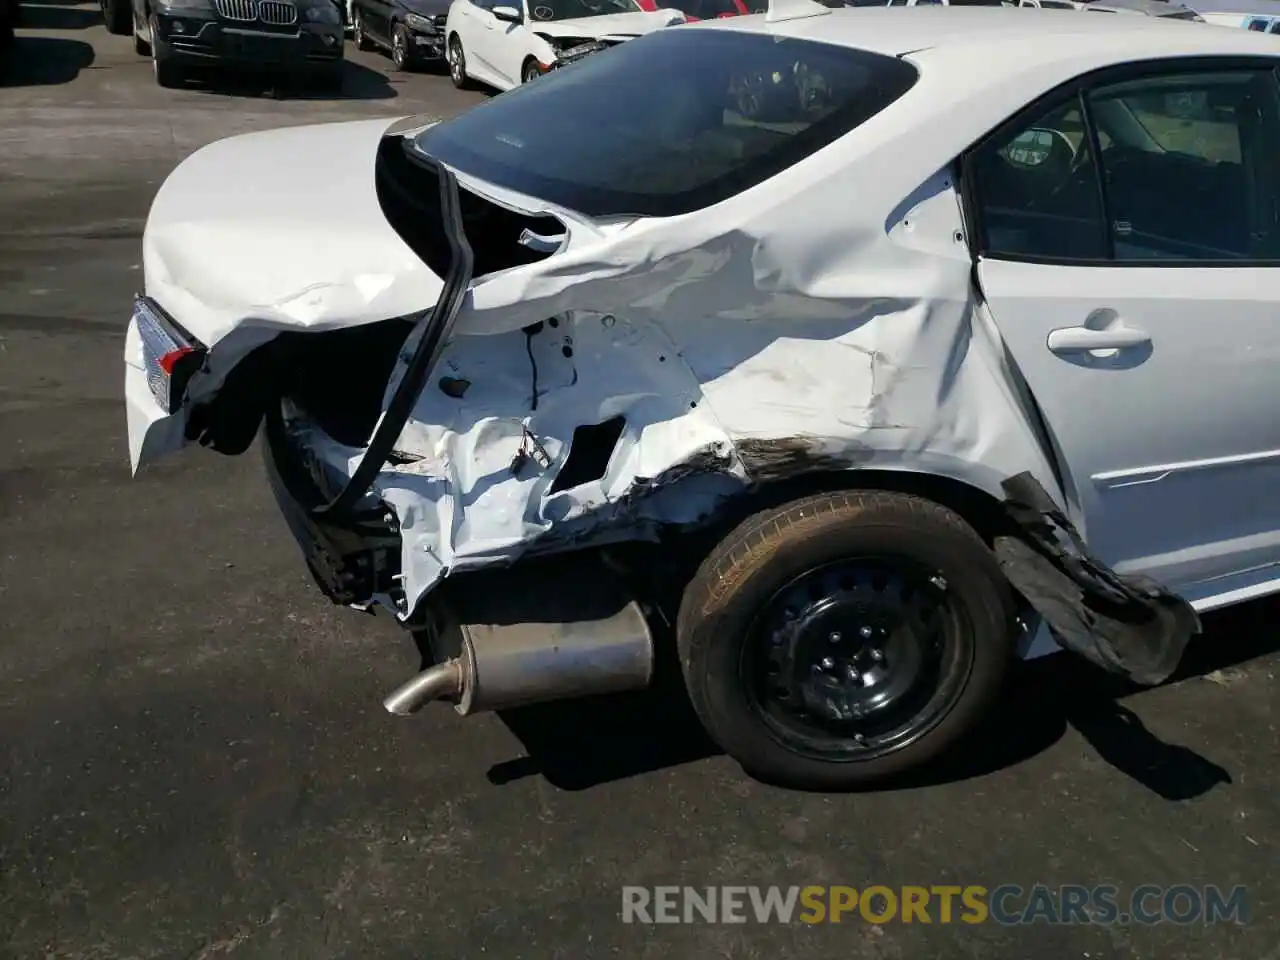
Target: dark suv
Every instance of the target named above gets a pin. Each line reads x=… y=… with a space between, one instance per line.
x=297 y=37
x=412 y=31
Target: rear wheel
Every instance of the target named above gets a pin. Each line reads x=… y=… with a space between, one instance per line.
x=845 y=638
x=458 y=64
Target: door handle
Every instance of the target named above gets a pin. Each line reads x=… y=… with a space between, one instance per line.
x=1080 y=339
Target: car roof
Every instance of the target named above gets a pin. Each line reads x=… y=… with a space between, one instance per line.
x=994 y=36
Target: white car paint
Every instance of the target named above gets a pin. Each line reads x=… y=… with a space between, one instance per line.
x=497 y=51
x=777 y=314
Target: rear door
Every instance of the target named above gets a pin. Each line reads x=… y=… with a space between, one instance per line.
x=1129 y=252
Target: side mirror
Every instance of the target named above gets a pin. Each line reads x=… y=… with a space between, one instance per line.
x=1031 y=147
x=508 y=14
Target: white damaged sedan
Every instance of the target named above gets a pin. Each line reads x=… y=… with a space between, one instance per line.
x=965 y=341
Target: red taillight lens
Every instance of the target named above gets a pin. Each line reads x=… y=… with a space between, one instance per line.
x=170 y=359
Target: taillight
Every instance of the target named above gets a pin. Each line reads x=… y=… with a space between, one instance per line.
x=172 y=356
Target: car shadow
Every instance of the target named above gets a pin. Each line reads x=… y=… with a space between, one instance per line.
x=54 y=15
x=576 y=745
x=43 y=61
x=358 y=83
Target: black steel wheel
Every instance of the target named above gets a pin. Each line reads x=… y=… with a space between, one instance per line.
x=457 y=64
x=854 y=659
x=845 y=638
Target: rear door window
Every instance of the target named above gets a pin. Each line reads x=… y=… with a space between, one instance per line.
x=1170 y=167
x=1189 y=164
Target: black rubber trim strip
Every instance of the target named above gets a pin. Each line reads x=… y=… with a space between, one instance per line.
x=439 y=324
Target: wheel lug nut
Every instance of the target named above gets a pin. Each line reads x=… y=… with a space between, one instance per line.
x=865 y=632
x=852 y=672
x=834 y=638
x=938 y=582
x=877 y=655
x=827 y=663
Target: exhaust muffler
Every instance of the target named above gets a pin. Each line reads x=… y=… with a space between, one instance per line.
x=557 y=649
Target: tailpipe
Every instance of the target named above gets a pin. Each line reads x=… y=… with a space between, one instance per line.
x=541 y=640
x=442 y=680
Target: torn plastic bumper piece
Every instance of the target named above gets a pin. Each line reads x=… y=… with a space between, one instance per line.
x=1128 y=625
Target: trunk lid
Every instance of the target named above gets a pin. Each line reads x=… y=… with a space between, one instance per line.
x=282 y=227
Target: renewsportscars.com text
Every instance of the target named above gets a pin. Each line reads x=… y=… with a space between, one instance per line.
x=1007 y=904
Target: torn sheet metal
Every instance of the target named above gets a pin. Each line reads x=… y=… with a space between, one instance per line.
x=769 y=336
x=744 y=352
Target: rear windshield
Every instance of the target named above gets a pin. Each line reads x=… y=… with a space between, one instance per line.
x=669 y=123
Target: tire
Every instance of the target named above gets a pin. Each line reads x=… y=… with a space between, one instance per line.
x=141 y=47
x=401 y=48
x=529 y=72
x=902 y=580
x=358 y=36
x=118 y=16
x=458 y=64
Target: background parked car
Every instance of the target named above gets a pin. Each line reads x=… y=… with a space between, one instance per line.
x=950 y=3
x=1259 y=16
x=504 y=43
x=1051 y=4
x=302 y=39
x=1257 y=23
x=1165 y=9
x=695 y=10
x=412 y=31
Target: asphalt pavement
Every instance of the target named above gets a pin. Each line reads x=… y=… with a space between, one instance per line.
x=194 y=762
